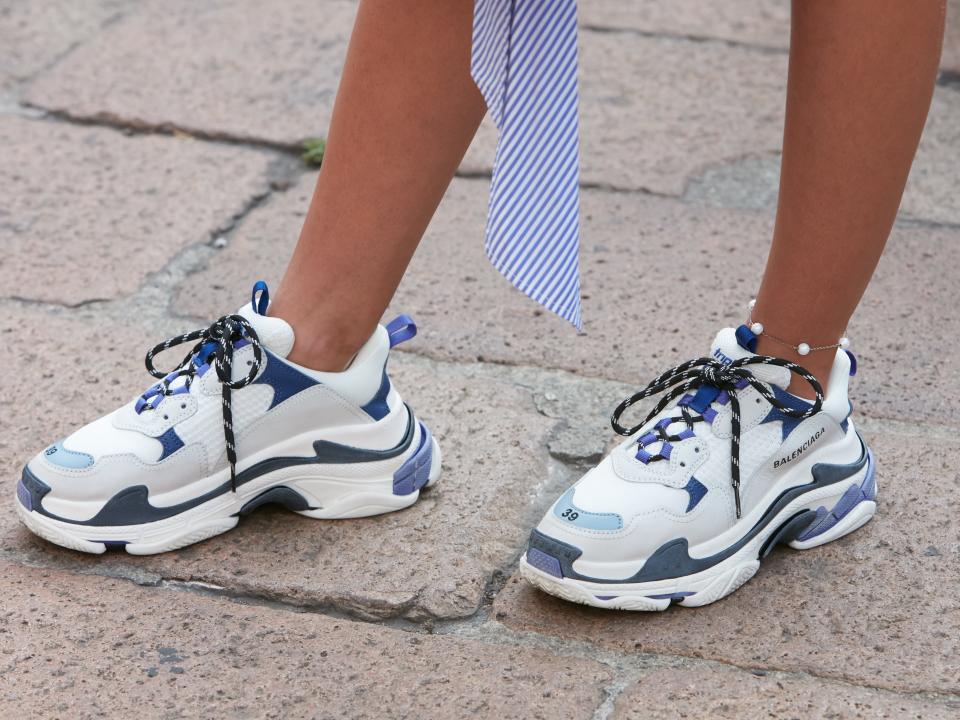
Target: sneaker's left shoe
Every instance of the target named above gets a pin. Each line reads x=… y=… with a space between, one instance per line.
x=727 y=466
x=235 y=426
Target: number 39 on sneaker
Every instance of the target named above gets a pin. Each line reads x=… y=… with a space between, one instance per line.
x=235 y=426
x=727 y=465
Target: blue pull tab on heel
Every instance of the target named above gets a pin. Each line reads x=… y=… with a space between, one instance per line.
x=401 y=329
x=853 y=362
x=260 y=304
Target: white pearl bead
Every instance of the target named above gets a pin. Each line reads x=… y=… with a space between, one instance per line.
x=844 y=342
x=752 y=303
x=803 y=349
x=757 y=328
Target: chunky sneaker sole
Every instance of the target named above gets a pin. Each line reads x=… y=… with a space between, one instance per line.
x=842 y=499
x=665 y=519
x=360 y=483
x=234 y=427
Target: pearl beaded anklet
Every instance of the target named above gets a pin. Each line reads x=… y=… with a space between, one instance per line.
x=803 y=348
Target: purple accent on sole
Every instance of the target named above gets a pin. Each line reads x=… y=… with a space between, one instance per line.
x=606 y=597
x=543 y=562
x=855 y=494
x=415 y=472
x=24 y=496
x=850 y=498
x=869 y=484
x=670 y=596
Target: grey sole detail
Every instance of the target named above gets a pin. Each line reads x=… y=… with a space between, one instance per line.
x=279 y=495
x=131 y=506
x=672 y=559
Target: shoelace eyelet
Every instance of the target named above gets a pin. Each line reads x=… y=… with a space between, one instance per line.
x=728 y=378
x=224 y=333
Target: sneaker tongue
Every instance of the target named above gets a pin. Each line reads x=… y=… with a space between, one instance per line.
x=726 y=348
x=275 y=334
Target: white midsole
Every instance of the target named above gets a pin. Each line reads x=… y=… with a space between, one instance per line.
x=295 y=446
x=330 y=497
x=700 y=581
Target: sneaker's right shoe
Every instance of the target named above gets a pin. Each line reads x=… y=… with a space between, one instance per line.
x=684 y=511
x=234 y=427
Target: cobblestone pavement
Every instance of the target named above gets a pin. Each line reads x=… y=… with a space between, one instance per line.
x=149 y=170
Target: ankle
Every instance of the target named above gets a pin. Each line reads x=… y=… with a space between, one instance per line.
x=321 y=356
x=818 y=364
x=320 y=343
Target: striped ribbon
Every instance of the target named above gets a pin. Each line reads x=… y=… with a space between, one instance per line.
x=524 y=60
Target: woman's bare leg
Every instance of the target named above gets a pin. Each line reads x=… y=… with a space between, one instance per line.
x=862 y=74
x=405 y=113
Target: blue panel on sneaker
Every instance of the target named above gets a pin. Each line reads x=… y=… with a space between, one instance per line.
x=239 y=426
x=700 y=494
x=568 y=512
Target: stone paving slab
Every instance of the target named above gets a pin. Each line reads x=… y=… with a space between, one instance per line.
x=951 y=42
x=33 y=35
x=242 y=68
x=659 y=278
x=931 y=190
x=87 y=213
x=870 y=608
x=764 y=23
x=432 y=560
x=753 y=182
x=654 y=110
x=723 y=693
x=85 y=647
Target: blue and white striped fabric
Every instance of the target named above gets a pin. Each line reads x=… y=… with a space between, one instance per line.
x=524 y=61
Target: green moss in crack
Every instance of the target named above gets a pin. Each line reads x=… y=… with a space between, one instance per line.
x=313 y=150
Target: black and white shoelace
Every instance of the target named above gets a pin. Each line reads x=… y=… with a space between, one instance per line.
x=217 y=344
x=728 y=379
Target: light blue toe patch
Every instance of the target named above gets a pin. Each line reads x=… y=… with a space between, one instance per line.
x=568 y=512
x=71 y=459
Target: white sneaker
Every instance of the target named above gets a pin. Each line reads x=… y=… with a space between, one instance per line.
x=186 y=459
x=661 y=519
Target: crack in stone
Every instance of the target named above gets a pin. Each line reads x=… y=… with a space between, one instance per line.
x=949 y=79
x=684 y=37
x=136 y=126
x=51 y=304
x=637 y=664
x=21 y=81
x=154 y=299
x=622 y=680
x=628 y=666
x=268 y=600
